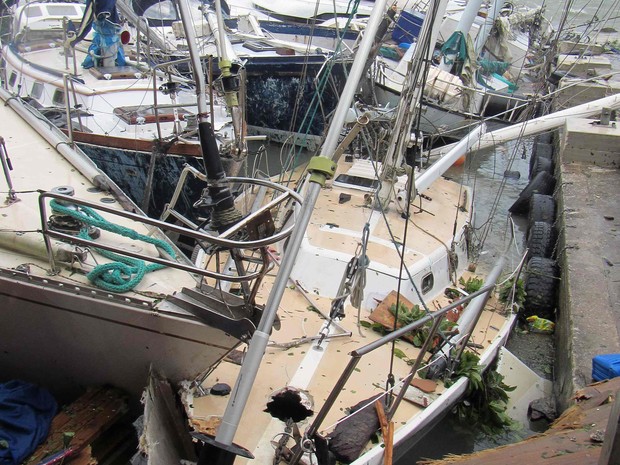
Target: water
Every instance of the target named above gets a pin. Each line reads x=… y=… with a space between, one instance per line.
x=602 y=13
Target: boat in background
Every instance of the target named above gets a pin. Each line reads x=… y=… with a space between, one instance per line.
x=287 y=68
x=136 y=122
x=307 y=12
x=478 y=64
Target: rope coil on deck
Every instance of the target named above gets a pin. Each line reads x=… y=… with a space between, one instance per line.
x=124 y=273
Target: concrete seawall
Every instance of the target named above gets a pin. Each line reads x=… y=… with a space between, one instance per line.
x=588 y=251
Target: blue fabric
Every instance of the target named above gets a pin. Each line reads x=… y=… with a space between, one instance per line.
x=26 y=413
x=106 y=35
x=103 y=17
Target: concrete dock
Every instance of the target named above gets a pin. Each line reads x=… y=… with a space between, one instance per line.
x=588 y=251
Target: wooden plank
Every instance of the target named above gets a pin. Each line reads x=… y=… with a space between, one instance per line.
x=383 y=422
x=86 y=418
x=382 y=315
x=387 y=431
x=389 y=445
x=611 y=446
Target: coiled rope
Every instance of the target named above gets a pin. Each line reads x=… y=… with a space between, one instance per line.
x=124 y=273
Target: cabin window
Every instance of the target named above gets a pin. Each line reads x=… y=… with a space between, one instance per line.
x=59 y=97
x=428 y=282
x=258 y=46
x=145 y=115
x=165 y=10
x=12 y=79
x=34 y=11
x=37 y=90
x=63 y=10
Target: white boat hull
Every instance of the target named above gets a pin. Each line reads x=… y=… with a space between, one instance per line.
x=68 y=337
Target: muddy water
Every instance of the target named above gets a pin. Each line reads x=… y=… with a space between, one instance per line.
x=496 y=177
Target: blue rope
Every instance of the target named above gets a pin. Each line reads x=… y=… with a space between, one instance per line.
x=124 y=273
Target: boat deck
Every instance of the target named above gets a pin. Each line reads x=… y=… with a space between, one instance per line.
x=21 y=240
x=294 y=359
x=59 y=329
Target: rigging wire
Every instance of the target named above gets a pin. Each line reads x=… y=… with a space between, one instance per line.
x=325 y=75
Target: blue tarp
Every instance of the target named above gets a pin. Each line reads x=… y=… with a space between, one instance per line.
x=103 y=17
x=26 y=413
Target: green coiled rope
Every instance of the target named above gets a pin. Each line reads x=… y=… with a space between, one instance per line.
x=124 y=273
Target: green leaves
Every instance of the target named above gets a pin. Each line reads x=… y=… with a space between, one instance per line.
x=472 y=284
x=405 y=316
x=486 y=398
x=511 y=292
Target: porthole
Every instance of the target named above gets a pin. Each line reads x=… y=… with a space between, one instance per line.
x=428 y=281
x=59 y=97
x=37 y=90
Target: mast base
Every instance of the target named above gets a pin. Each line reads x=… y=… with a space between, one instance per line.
x=216 y=453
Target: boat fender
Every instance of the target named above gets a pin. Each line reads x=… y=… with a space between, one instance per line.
x=542 y=183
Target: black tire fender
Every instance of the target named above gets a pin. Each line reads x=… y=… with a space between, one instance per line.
x=541 y=164
x=540 y=240
x=542 y=183
x=541 y=286
x=542 y=150
x=542 y=208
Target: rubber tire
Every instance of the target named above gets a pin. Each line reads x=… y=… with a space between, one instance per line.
x=545 y=137
x=542 y=183
x=542 y=208
x=541 y=164
x=541 y=288
x=542 y=150
x=540 y=240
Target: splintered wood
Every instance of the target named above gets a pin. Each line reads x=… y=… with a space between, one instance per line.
x=77 y=425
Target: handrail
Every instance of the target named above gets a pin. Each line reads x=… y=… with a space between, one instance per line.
x=188 y=169
x=155 y=107
x=198 y=235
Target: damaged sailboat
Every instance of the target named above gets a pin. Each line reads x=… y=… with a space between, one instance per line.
x=261 y=305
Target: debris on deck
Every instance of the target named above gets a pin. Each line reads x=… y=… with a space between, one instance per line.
x=580 y=436
x=78 y=425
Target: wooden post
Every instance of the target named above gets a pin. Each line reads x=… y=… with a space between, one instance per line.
x=387 y=431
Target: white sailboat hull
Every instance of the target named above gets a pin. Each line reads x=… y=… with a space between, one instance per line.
x=67 y=337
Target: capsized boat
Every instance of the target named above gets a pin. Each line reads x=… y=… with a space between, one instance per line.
x=91 y=289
